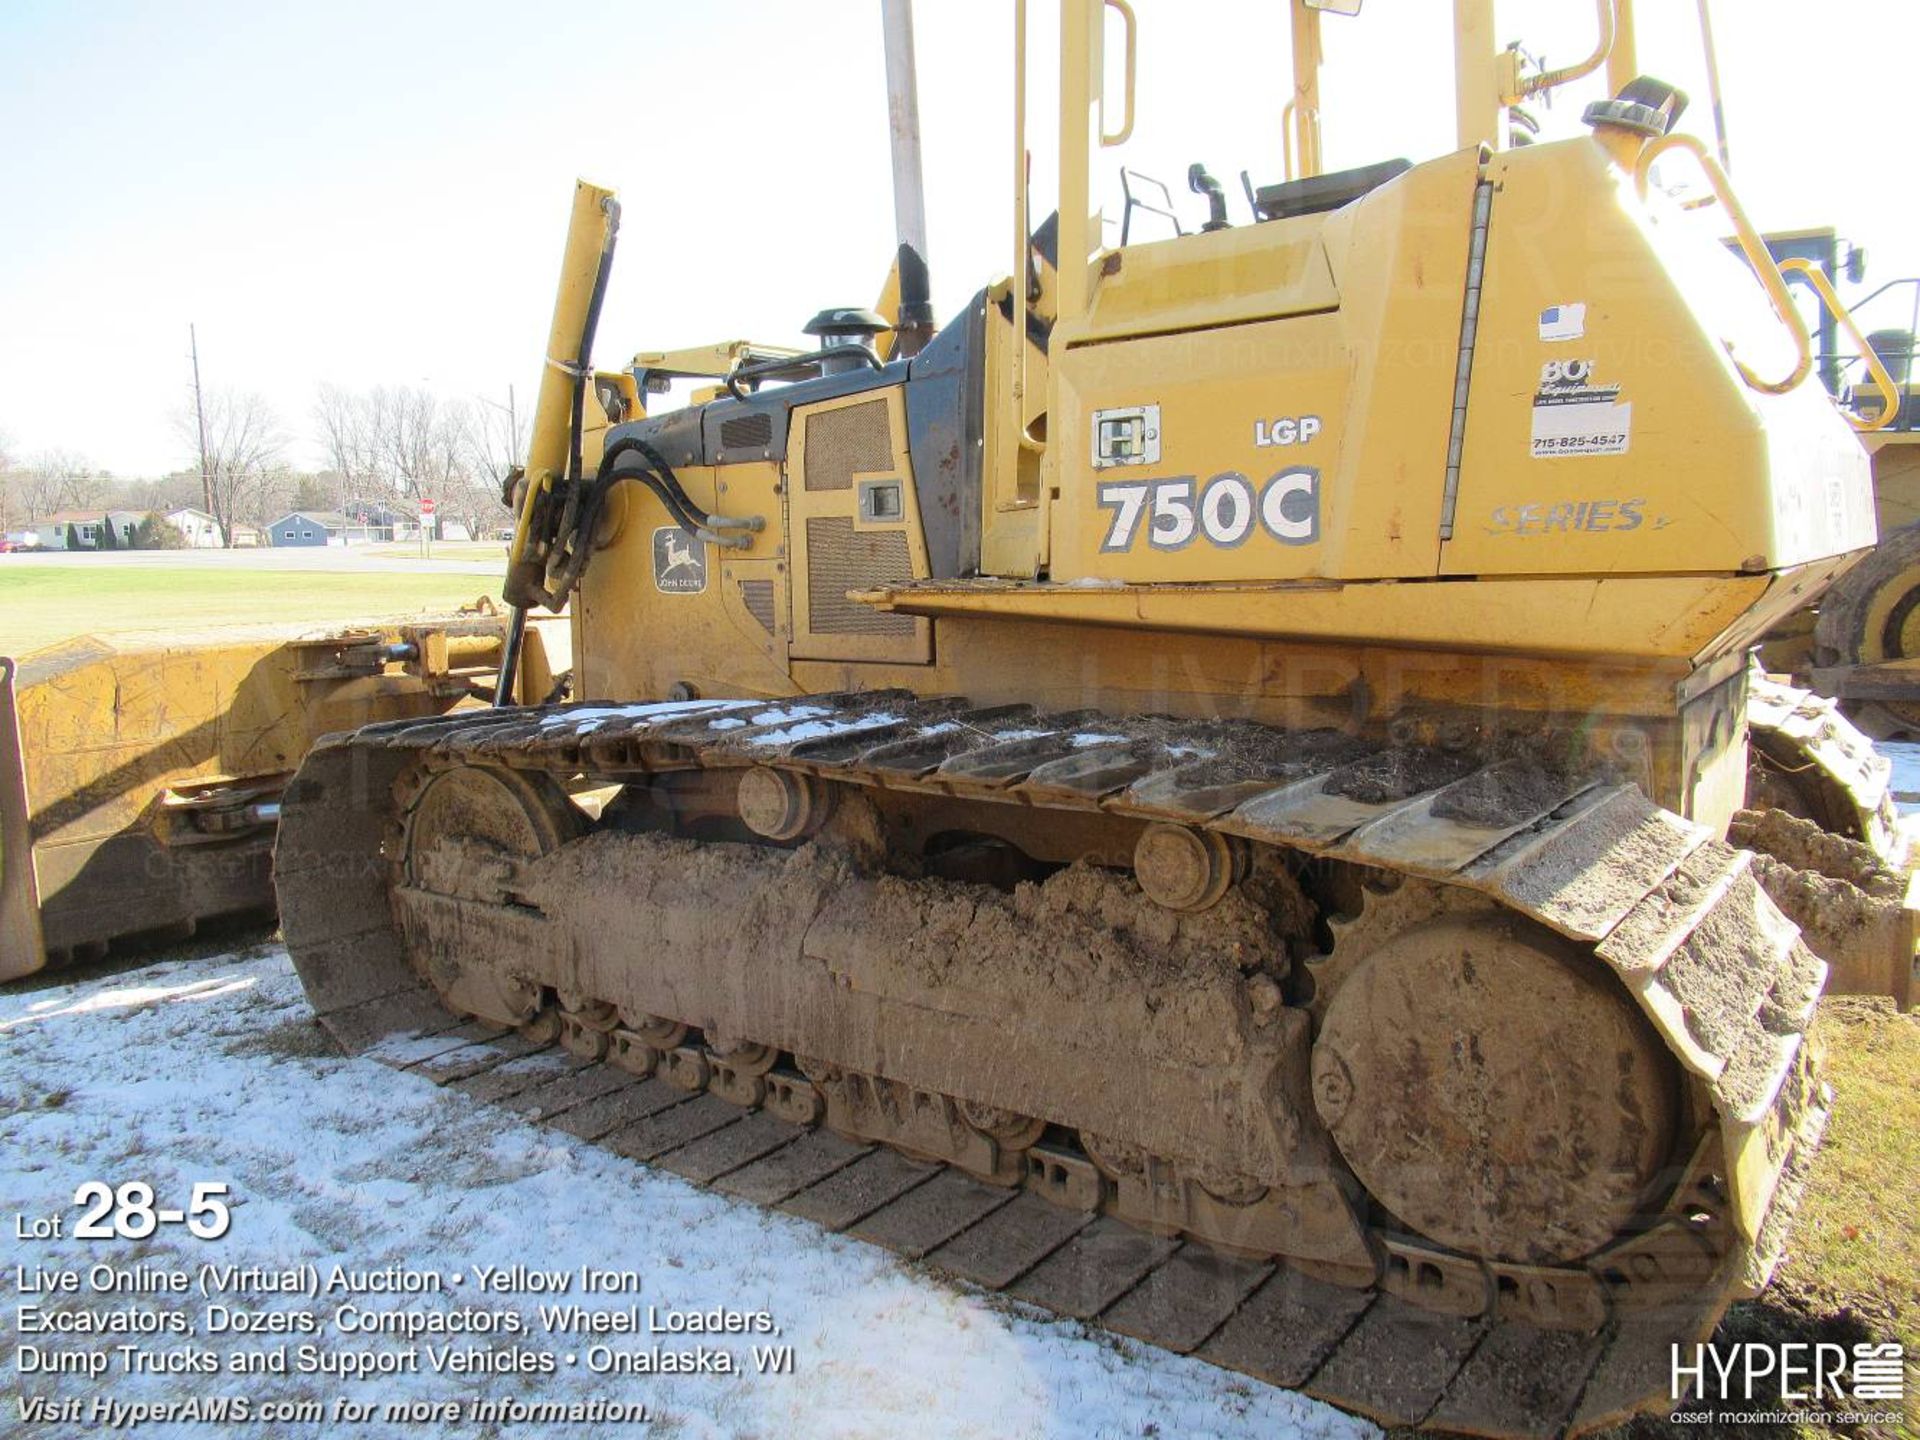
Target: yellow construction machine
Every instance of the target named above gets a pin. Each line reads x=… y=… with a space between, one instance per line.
x=1866 y=639
x=140 y=774
x=1863 y=645
x=1244 y=735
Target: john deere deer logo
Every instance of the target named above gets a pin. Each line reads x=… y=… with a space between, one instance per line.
x=679 y=562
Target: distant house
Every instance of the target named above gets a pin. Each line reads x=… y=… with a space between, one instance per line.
x=371 y=520
x=199 y=529
x=309 y=527
x=84 y=528
x=399 y=520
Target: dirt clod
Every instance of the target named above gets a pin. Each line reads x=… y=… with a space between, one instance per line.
x=1803 y=845
x=1847 y=903
x=1399 y=774
x=1502 y=795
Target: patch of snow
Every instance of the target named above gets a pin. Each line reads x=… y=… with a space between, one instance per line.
x=593 y=717
x=727 y=722
x=944 y=727
x=788 y=714
x=1087 y=739
x=126 y=997
x=821 y=729
x=206 y=1070
x=1007 y=737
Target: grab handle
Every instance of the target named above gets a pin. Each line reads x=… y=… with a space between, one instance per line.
x=1752 y=247
x=1119 y=137
x=1882 y=380
x=1518 y=89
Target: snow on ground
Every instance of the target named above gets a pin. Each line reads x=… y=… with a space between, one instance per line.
x=213 y=1070
x=1905 y=755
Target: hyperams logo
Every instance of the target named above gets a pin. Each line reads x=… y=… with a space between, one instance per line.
x=1797 y=1381
x=1224 y=512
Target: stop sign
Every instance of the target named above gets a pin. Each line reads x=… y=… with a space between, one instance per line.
x=426 y=507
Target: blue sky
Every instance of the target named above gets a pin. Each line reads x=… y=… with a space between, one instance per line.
x=374 y=193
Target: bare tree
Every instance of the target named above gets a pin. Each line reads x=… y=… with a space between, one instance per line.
x=59 y=480
x=412 y=437
x=496 y=442
x=443 y=451
x=176 y=490
x=391 y=443
x=9 y=485
x=496 y=439
x=342 y=421
x=243 y=444
x=37 y=490
x=81 y=486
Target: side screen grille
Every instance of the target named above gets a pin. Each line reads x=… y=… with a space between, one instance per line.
x=839 y=559
x=758 y=598
x=747 y=432
x=842 y=443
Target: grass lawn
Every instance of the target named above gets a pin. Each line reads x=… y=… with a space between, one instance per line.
x=40 y=605
x=1856 y=1245
x=1852 y=1271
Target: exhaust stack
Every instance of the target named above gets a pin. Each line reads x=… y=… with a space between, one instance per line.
x=914 y=321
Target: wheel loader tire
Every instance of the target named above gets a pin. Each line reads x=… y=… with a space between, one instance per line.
x=1873 y=614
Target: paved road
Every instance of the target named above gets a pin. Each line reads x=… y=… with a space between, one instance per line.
x=449 y=558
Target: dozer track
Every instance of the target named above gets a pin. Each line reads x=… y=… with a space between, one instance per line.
x=1146 y=1122
x=1801 y=741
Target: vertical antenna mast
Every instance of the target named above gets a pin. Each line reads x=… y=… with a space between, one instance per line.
x=914 y=323
x=200 y=419
x=1302 y=143
x=1713 y=85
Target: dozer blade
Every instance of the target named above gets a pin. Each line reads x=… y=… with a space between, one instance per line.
x=20 y=950
x=140 y=775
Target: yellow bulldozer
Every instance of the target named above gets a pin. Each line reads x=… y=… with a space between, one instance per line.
x=1249 y=735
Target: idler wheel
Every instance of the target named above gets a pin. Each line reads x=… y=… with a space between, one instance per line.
x=468 y=832
x=1495 y=1089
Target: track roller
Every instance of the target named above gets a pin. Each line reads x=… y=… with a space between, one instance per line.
x=781 y=805
x=1185 y=869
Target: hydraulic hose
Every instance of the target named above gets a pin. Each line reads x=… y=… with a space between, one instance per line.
x=574 y=545
x=517 y=625
x=587 y=330
x=510 y=657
